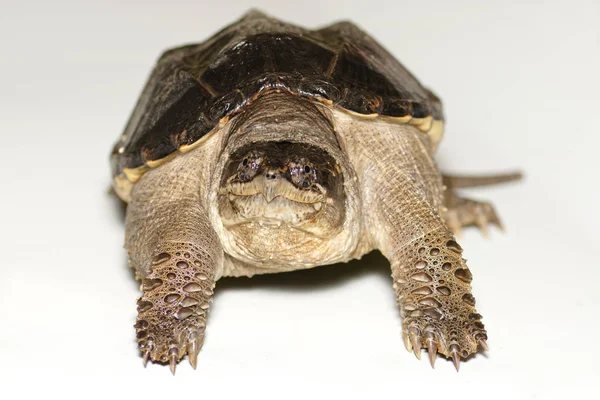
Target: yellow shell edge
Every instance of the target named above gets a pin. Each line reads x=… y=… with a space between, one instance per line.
x=123 y=183
x=122 y=187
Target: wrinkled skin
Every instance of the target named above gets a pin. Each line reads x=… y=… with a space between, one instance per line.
x=304 y=186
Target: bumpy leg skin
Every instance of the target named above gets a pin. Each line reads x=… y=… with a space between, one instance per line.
x=178 y=256
x=176 y=299
x=432 y=283
x=403 y=196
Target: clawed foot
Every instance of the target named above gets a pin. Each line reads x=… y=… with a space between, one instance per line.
x=172 y=311
x=433 y=284
x=464 y=212
x=170 y=343
x=456 y=338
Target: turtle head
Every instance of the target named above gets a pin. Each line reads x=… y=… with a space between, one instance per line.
x=282 y=184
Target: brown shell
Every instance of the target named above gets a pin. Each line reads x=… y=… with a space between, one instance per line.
x=193 y=87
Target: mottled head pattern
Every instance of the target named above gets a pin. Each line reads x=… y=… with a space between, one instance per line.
x=283 y=185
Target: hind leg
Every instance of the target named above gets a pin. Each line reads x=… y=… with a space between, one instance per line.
x=461 y=212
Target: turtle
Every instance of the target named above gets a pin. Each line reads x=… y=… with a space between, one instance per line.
x=270 y=148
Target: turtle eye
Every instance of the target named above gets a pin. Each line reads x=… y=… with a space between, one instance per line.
x=303 y=174
x=249 y=166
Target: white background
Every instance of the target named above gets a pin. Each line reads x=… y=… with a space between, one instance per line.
x=520 y=85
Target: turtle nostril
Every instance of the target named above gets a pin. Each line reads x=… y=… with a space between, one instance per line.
x=271 y=176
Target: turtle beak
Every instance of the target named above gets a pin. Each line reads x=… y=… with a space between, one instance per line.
x=271 y=183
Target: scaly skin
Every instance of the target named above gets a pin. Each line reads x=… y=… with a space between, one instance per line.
x=176 y=239
x=376 y=185
x=434 y=294
x=403 y=192
x=176 y=252
x=172 y=311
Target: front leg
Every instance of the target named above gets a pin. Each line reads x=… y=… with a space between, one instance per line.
x=404 y=198
x=176 y=298
x=431 y=279
x=433 y=285
x=178 y=255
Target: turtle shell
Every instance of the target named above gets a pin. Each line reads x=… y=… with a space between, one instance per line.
x=192 y=88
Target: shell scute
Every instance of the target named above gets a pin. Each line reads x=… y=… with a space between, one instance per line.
x=193 y=87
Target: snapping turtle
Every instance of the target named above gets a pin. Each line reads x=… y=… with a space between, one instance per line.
x=272 y=148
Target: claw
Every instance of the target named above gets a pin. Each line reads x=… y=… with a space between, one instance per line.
x=456 y=361
x=482 y=224
x=416 y=344
x=193 y=350
x=455 y=226
x=406 y=341
x=454 y=353
x=496 y=220
x=173 y=363
x=146 y=357
x=483 y=344
x=500 y=225
x=432 y=351
x=457 y=231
